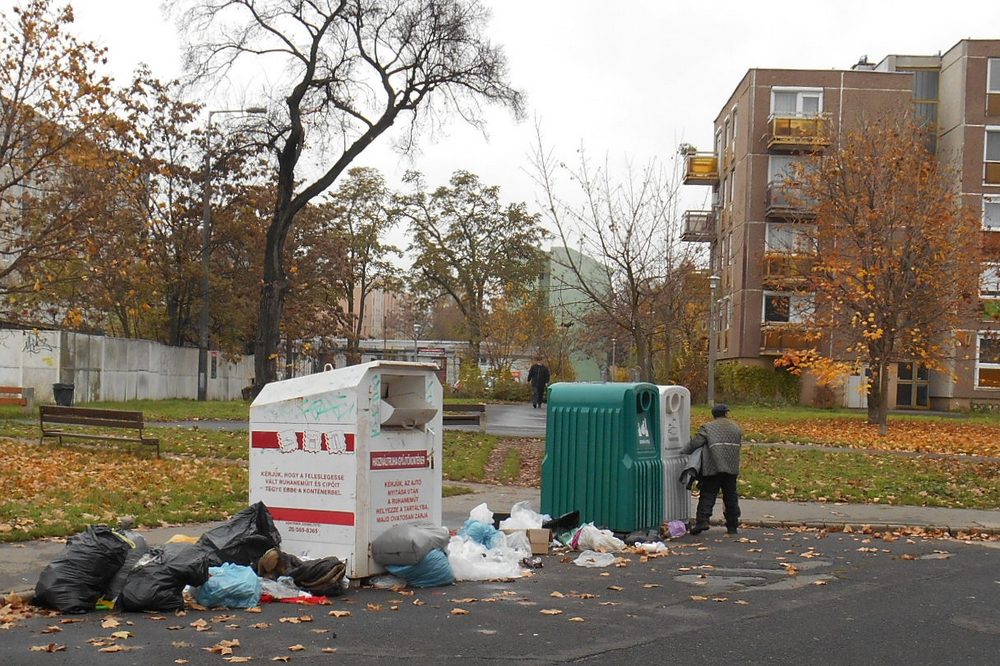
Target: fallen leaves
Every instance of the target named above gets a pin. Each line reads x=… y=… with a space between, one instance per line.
x=51 y=647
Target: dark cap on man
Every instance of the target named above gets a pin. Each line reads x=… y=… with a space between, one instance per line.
x=720 y=410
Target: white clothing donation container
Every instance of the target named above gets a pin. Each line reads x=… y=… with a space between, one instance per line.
x=675 y=429
x=340 y=456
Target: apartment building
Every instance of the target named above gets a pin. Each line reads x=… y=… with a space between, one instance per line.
x=756 y=232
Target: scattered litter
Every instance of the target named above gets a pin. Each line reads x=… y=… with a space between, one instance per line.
x=589 y=558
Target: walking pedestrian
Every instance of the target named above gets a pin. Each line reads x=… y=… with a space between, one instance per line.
x=720 y=440
x=538 y=377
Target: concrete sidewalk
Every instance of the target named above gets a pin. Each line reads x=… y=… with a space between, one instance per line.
x=20 y=564
x=764 y=513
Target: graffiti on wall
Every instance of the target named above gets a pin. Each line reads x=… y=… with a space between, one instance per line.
x=34 y=343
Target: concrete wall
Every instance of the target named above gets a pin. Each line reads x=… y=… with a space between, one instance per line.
x=103 y=368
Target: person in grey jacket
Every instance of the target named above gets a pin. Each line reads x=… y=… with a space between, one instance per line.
x=721 y=440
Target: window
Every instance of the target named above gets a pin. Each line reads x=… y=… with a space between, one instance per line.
x=785 y=308
x=989 y=281
x=989 y=291
x=796 y=102
x=992 y=156
x=723 y=308
x=991 y=213
x=779 y=167
x=993 y=87
x=988 y=361
x=789 y=237
x=734 y=126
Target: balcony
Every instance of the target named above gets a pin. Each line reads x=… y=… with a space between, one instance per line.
x=991 y=176
x=788 y=203
x=798 y=132
x=775 y=339
x=699 y=226
x=785 y=270
x=701 y=169
x=993 y=104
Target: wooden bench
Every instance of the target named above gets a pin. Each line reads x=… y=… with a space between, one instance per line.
x=472 y=414
x=83 y=423
x=16 y=395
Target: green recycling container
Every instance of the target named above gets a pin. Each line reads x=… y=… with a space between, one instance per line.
x=602 y=455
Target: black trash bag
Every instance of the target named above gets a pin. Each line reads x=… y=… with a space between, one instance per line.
x=132 y=558
x=323 y=577
x=156 y=582
x=73 y=582
x=242 y=539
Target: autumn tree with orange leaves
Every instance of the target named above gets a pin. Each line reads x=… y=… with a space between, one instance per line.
x=896 y=267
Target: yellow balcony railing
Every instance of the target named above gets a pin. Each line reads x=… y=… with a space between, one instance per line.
x=991 y=175
x=701 y=169
x=798 y=132
x=783 y=269
x=993 y=104
x=776 y=338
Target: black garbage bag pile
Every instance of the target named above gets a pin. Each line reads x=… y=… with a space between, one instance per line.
x=101 y=562
x=242 y=539
x=76 y=579
x=156 y=582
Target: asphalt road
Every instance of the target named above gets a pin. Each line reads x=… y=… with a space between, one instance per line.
x=769 y=596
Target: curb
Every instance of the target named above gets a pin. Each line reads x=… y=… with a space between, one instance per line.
x=929 y=530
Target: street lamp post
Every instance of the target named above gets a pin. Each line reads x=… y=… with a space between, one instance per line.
x=713 y=287
x=206 y=241
x=614 y=357
x=417 y=327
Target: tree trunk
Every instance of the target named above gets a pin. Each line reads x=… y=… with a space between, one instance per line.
x=272 y=303
x=874 y=394
x=883 y=402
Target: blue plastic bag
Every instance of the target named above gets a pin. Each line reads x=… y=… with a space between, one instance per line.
x=432 y=571
x=230 y=586
x=481 y=532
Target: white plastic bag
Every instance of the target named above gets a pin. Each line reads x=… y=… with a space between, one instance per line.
x=482 y=513
x=471 y=560
x=519 y=542
x=589 y=558
x=652 y=547
x=591 y=538
x=283 y=588
x=522 y=517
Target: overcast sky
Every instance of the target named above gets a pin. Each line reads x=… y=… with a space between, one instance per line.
x=627 y=79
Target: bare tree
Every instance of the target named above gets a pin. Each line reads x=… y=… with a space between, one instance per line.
x=622 y=251
x=352 y=68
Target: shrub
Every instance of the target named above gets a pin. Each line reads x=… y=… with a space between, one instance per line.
x=752 y=384
x=511 y=391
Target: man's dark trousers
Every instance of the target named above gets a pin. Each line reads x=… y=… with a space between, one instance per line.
x=708 y=489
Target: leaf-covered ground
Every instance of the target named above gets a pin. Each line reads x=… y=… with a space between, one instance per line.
x=922 y=435
x=49 y=490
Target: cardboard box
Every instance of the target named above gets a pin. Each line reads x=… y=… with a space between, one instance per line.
x=538 y=538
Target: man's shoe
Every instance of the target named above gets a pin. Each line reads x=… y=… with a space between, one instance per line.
x=732 y=531
x=698 y=528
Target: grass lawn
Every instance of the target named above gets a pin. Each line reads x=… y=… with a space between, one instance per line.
x=56 y=491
